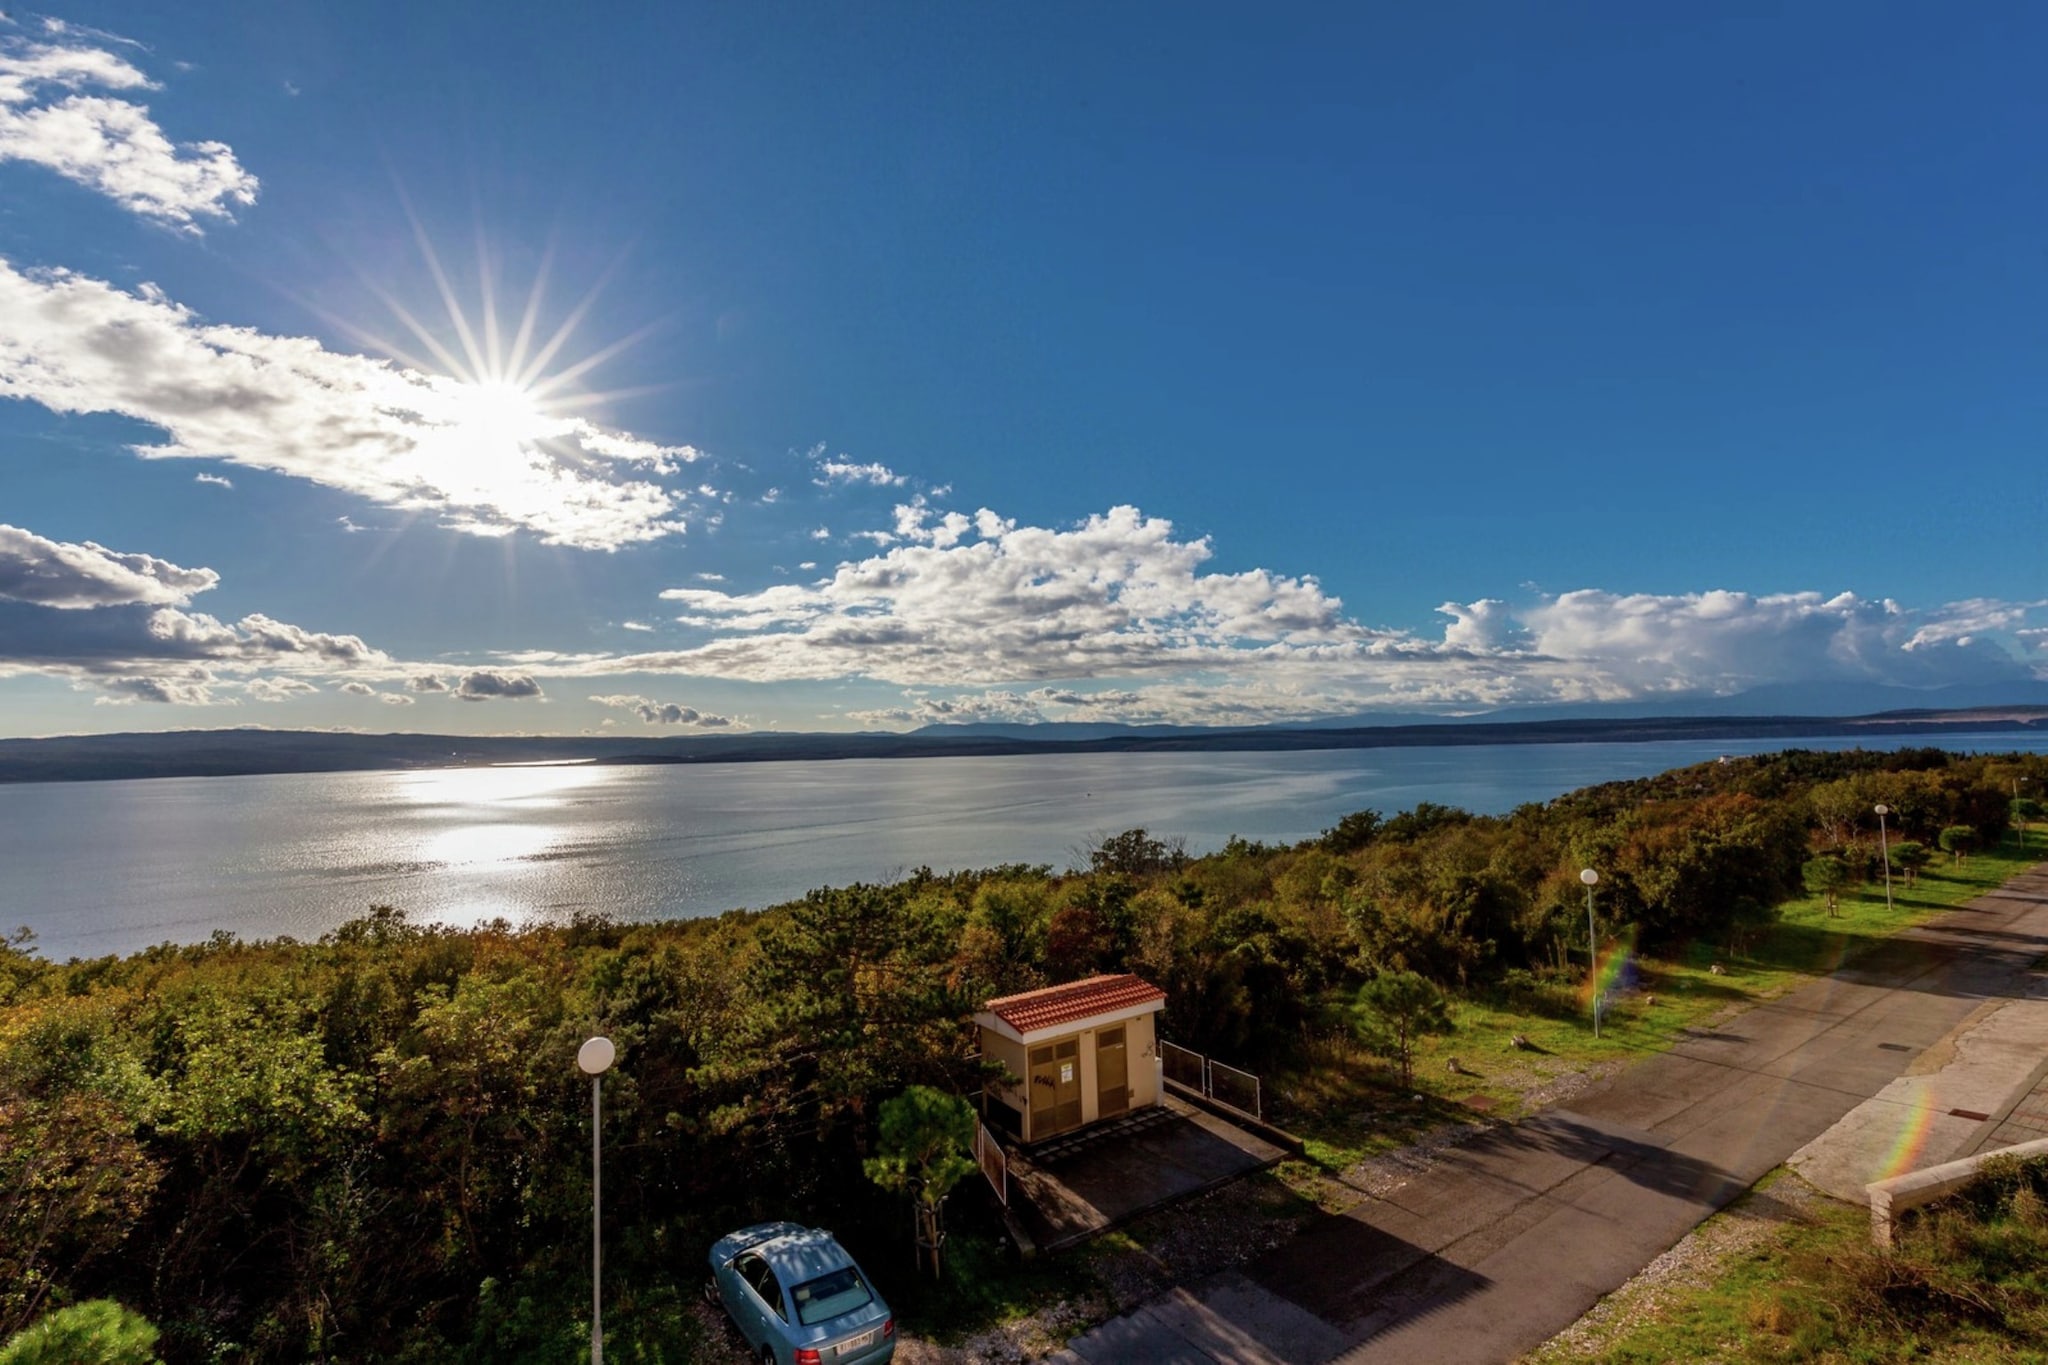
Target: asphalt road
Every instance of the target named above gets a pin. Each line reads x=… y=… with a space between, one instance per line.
x=1513 y=1236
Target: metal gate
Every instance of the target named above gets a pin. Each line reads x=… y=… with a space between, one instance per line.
x=1213 y=1080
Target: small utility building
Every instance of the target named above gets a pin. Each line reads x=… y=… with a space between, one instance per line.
x=1078 y=1053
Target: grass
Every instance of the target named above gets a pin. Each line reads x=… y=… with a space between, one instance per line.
x=1967 y=1283
x=1348 y=1105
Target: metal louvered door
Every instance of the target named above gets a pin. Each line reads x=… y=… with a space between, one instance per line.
x=1112 y=1073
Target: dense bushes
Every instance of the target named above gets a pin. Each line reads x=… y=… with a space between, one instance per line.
x=376 y=1146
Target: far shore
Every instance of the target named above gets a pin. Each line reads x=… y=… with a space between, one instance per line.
x=220 y=753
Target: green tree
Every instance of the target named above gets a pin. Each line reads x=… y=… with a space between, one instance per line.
x=1957 y=841
x=1826 y=876
x=2026 y=809
x=1909 y=857
x=1399 y=1009
x=1353 y=832
x=96 y=1332
x=926 y=1146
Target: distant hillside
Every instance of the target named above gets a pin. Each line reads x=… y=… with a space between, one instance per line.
x=214 y=753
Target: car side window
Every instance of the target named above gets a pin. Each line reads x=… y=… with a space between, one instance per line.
x=756 y=1273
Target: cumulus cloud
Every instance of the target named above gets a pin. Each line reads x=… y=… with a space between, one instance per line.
x=163 y=691
x=54 y=573
x=216 y=480
x=394 y=699
x=116 y=620
x=485 y=685
x=1117 y=618
x=358 y=689
x=989 y=601
x=1643 y=644
x=56 y=112
x=281 y=689
x=425 y=682
x=845 y=471
x=664 y=712
x=483 y=461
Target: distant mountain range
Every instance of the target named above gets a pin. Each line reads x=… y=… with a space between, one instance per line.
x=210 y=753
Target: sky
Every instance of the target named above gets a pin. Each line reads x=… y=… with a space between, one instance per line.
x=703 y=368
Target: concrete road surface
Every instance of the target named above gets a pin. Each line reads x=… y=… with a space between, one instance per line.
x=1511 y=1237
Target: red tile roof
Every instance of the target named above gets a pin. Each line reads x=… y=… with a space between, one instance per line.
x=1052 y=1005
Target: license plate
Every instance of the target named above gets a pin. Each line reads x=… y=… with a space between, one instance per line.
x=851 y=1344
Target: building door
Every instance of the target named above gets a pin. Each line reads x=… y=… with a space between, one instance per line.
x=1112 y=1072
x=1055 y=1088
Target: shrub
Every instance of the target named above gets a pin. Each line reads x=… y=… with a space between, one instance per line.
x=96 y=1332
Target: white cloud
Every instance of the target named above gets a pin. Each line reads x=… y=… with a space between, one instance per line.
x=282 y=689
x=163 y=691
x=1115 y=594
x=844 y=471
x=1642 y=644
x=56 y=574
x=358 y=689
x=664 y=712
x=214 y=479
x=487 y=685
x=635 y=625
x=996 y=620
x=483 y=461
x=114 y=620
x=394 y=699
x=425 y=682
x=108 y=144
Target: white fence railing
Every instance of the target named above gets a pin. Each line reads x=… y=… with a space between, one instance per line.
x=1239 y=1090
x=994 y=1162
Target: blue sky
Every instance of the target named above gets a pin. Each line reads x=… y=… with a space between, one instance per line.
x=704 y=368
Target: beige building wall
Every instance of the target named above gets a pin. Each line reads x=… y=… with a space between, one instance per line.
x=996 y=1048
x=1143 y=1050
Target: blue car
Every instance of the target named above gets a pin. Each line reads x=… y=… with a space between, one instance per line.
x=799 y=1299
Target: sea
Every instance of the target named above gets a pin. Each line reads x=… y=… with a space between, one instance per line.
x=96 y=868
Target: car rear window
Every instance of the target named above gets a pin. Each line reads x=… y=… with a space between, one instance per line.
x=829 y=1296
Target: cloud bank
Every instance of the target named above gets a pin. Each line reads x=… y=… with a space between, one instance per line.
x=1118 y=618
x=479 y=459
x=664 y=712
x=115 y=620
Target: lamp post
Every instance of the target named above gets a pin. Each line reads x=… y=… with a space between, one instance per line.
x=1590 y=878
x=595 y=1058
x=1884 y=854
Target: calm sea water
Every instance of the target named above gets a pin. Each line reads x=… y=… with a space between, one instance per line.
x=109 y=867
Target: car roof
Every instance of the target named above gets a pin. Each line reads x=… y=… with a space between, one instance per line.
x=800 y=1255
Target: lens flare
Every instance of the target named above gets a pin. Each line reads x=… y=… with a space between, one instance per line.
x=1613 y=970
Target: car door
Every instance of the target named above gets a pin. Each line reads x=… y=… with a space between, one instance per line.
x=763 y=1299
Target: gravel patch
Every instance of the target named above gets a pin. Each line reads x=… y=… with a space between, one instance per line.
x=1697 y=1260
x=1216 y=1231
x=1013 y=1343
x=1220 y=1230
x=1382 y=1175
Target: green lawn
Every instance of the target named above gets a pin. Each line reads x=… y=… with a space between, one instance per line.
x=1348 y=1105
x=1967 y=1283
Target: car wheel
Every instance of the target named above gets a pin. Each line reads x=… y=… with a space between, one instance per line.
x=711 y=1292
x=768 y=1355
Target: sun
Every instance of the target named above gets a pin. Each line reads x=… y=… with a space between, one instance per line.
x=488 y=431
x=497 y=398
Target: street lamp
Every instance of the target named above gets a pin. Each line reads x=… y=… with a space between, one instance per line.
x=1591 y=878
x=1884 y=853
x=595 y=1058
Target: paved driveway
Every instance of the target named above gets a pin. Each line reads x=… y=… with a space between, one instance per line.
x=1511 y=1238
